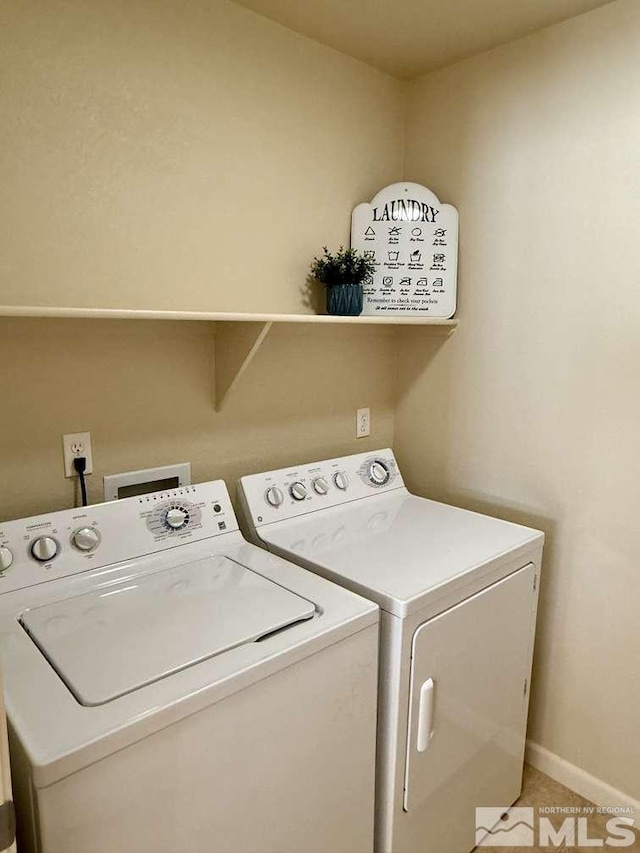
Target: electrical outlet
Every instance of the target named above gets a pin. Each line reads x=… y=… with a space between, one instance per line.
x=363 y=423
x=76 y=444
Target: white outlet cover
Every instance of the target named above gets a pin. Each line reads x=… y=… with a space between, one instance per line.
x=363 y=423
x=69 y=441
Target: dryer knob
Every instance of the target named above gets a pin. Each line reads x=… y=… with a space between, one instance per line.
x=379 y=473
x=274 y=496
x=320 y=486
x=6 y=559
x=86 y=539
x=341 y=481
x=44 y=549
x=298 y=491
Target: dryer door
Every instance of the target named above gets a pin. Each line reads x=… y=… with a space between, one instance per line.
x=467 y=714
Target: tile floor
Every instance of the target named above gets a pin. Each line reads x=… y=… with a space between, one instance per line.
x=539 y=791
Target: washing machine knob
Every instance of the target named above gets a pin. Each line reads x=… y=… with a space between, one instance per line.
x=379 y=473
x=44 y=548
x=341 y=481
x=274 y=496
x=320 y=486
x=86 y=539
x=176 y=518
x=298 y=491
x=6 y=559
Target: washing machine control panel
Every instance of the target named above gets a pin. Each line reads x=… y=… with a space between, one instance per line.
x=40 y=548
x=291 y=492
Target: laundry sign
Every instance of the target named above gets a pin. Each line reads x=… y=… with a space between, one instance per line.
x=413 y=240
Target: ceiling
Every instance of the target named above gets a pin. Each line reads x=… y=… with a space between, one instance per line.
x=408 y=37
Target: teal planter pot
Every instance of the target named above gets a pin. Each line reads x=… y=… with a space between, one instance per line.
x=344 y=299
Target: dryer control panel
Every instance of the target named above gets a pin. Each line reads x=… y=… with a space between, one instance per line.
x=291 y=492
x=44 y=547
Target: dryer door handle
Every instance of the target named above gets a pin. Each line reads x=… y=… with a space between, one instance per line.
x=425 y=715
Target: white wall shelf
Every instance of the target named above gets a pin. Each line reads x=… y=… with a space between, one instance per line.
x=238 y=337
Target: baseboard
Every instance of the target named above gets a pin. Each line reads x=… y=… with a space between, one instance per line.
x=583 y=783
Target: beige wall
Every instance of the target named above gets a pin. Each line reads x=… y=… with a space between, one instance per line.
x=145 y=392
x=531 y=411
x=185 y=155
x=178 y=154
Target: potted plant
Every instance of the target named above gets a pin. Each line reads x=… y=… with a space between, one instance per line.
x=342 y=274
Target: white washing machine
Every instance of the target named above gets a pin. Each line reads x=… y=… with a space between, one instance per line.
x=170 y=687
x=458 y=593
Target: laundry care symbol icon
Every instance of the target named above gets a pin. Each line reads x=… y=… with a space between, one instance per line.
x=416 y=256
x=393 y=256
x=417 y=232
x=369 y=232
x=440 y=232
x=394 y=232
x=503 y=827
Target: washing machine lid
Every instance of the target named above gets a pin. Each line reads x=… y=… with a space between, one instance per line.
x=114 y=640
x=399 y=550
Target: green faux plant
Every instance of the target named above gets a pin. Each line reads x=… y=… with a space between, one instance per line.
x=346 y=266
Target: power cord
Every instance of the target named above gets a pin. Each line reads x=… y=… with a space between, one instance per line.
x=80 y=464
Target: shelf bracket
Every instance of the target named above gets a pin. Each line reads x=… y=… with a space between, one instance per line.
x=235 y=347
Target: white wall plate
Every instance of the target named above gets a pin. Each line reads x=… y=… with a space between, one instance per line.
x=146 y=480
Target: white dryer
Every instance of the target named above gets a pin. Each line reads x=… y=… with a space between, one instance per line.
x=458 y=593
x=170 y=687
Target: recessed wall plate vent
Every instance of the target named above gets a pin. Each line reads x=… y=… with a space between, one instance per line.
x=132 y=483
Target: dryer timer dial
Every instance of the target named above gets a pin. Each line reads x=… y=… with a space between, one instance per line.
x=379 y=473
